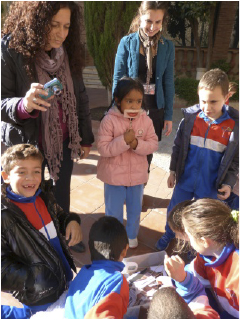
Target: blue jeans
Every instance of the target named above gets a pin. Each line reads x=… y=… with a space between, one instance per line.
x=115 y=196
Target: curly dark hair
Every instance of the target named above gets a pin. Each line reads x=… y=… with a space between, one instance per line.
x=29 y=23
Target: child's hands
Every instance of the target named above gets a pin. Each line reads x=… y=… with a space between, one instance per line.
x=171 y=179
x=74 y=232
x=129 y=136
x=226 y=190
x=133 y=144
x=174 y=267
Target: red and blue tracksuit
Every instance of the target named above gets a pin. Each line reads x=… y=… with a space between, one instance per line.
x=98 y=291
x=221 y=274
x=207 y=145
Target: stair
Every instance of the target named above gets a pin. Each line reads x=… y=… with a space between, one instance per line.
x=91 y=78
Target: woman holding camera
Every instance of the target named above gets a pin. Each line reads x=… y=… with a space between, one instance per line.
x=41 y=41
x=145 y=54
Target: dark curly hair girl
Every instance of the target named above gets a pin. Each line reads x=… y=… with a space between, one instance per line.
x=29 y=23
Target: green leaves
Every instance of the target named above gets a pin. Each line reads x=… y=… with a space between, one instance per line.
x=106 y=23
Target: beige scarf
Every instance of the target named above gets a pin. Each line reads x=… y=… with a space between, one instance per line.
x=52 y=140
x=150 y=47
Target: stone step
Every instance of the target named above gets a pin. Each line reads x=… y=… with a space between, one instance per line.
x=91 y=78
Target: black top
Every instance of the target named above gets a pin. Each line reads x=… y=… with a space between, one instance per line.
x=149 y=99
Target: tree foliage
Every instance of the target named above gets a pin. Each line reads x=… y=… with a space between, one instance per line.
x=106 y=23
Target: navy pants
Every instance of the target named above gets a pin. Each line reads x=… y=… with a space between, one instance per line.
x=62 y=185
x=115 y=196
x=180 y=195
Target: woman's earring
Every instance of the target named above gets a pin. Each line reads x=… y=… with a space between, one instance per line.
x=161 y=29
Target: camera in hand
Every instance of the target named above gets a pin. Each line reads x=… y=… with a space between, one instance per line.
x=53 y=87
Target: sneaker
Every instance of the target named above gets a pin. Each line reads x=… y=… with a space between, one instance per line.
x=133 y=243
x=79 y=247
x=163 y=242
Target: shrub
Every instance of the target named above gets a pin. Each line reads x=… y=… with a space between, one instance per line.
x=186 y=88
x=221 y=64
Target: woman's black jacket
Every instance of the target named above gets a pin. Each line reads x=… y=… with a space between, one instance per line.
x=14 y=85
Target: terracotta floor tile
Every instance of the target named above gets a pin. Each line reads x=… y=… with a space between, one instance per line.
x=87 y=198
x=156 y=176
x=151 y=228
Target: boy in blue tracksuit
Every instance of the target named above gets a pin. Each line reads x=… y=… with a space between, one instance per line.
x=204 y=161
x=100 y=290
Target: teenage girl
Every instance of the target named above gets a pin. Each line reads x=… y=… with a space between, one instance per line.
x=212 y=229
x=126 y=136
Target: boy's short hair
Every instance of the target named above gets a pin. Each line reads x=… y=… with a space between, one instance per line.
x=19 y=152
x=168 y=304
x=214 y=78
x=107 y=239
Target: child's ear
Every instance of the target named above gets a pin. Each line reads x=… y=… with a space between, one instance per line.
x=116 y=101
x=206 y=242
x=228 y=96
x=5 y=177
x=124 y=253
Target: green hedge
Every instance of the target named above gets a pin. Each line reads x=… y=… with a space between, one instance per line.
x=186 y=88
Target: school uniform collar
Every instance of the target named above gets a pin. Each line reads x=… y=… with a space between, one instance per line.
x=21 y=199
x=227 y=250
x=224 y=116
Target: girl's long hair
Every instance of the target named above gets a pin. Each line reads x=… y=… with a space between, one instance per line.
x=144 y=7
x=211 y=219
x=29 y=24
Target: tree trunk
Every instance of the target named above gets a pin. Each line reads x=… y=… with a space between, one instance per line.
x=194 y=24
x=210 y=37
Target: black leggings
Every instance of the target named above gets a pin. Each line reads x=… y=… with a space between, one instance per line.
x=62 y=186
x=157 y=116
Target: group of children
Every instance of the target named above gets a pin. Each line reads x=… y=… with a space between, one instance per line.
x=36 y=262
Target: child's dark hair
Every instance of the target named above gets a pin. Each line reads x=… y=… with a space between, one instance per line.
x=124 y=86
x=168 y=304
x=107 y=239
x=211 y=219
x=19 y=152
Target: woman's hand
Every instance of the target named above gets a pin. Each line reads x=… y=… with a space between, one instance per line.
x=85 y=152
x=129 y=136
x=74 y=232
x=174 y=267
x=32 y=101
x=168 y=127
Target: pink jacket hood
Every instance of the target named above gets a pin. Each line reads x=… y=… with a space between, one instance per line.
x=119 y=165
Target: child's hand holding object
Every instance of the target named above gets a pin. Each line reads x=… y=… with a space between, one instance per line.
x=129 y=136
x=174 y=267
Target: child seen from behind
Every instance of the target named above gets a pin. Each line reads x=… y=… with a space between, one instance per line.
x=212 y=229
x=126 y=136
x=100 y=290
x=205 y=160
x=36 y=263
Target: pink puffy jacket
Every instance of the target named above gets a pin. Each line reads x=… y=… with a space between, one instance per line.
x=119 y=165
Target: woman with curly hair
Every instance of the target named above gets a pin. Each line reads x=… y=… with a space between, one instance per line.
x=41 y=41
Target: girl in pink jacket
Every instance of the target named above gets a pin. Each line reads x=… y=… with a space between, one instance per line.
x=126 y=136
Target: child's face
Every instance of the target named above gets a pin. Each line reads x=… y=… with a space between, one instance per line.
x=211 y=102
x=133 y=100
x=25 y=177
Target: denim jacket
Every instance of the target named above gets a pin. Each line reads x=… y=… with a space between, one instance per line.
x=127 y=64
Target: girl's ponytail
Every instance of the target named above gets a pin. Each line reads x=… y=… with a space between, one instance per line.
x=234 y=231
